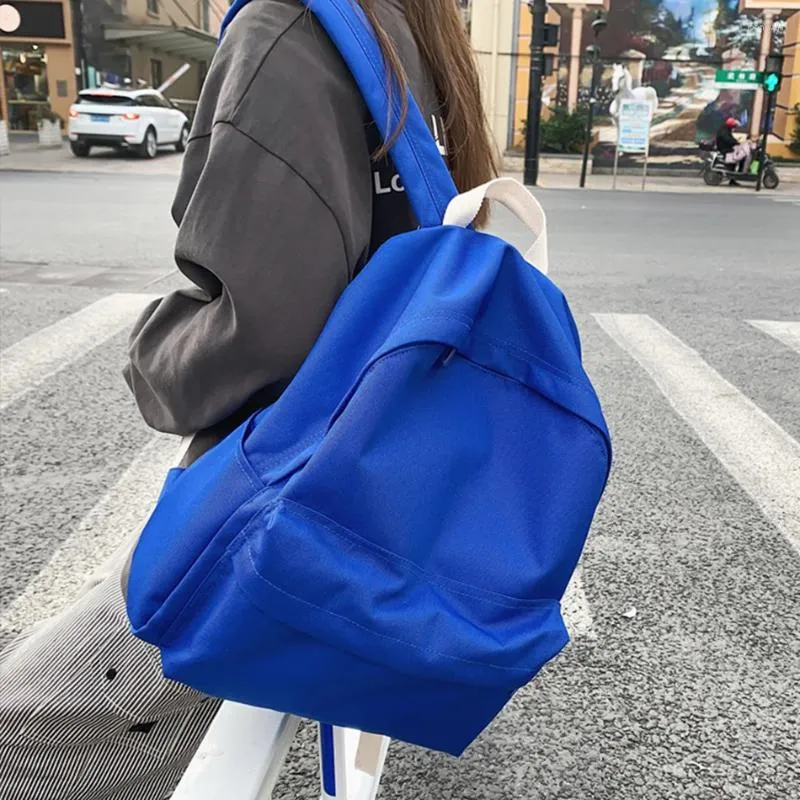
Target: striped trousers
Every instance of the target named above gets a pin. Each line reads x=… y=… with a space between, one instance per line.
x=85 y=713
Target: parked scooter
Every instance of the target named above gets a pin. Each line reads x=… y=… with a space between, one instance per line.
x=715 y=170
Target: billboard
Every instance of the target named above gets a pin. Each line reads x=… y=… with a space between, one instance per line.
x=675 y=48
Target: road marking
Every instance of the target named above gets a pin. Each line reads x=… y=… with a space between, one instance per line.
x=793 y=200
x=756 y=451
x=786 y=332
x=98 y=538
x=575 y=609
x=34 y=359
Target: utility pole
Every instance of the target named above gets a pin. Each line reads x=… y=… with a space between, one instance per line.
x=538 y=36
x=771 y=81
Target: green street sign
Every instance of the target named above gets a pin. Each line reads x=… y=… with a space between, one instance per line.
x=772 y=80
x=742 y=79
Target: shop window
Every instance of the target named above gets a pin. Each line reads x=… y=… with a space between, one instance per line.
x=152 y=7
x=156 y=73
x=114 y=70
x=25 y=78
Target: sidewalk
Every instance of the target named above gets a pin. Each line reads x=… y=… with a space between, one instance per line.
x=563 y=172
x=789 y=186
x=29 y=157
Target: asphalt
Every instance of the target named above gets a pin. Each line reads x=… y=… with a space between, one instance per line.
x=687 y=686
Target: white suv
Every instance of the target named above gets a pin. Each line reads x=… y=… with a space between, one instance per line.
x=140 y=119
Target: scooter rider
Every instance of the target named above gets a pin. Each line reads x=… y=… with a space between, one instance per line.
x=727 y=143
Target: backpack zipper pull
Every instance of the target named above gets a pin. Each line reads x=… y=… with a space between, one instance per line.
x=448 y=357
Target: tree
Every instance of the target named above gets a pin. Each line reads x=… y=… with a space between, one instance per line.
x=794 y=144
x=728 y=13
x=646 y=25
x=669 y=29
x=745 y=34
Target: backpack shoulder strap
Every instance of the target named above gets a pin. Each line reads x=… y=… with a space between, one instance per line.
x=415 y=154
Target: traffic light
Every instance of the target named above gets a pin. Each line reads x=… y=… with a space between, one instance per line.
x=772 y=81
x=772 y=74
x=546 y=35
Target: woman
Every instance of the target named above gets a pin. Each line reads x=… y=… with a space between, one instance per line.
x=285 y=193
x=280 y=203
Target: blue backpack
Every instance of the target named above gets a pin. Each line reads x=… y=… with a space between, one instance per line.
x=385 y=547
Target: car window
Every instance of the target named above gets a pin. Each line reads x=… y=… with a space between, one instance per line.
x=162 y=101
x=106 y=99
x=146 y=100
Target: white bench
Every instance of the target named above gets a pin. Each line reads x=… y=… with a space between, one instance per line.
x=245 y=747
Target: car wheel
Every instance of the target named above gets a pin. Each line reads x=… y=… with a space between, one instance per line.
x=180 y=145
x=80 y=149
x=770 y=179
x=149 y=147
x=712 y=177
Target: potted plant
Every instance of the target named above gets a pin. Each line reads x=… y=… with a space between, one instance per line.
x=48 y=125
x=563 y=132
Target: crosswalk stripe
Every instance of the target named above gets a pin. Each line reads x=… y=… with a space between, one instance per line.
x=786 y=332
x=116 y=518
x=29 y=362
x=755 y=450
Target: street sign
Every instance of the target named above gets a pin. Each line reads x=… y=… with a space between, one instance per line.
x=743 y=79
x=634 y=127
x=10 y=18
x=633 y=134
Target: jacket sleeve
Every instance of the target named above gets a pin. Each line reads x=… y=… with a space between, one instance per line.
x=726 y=141
x=268 y=261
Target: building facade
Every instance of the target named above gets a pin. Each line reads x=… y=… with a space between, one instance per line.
x=146 y=41
x=50 y=49
x=674 y=46
x=38 y=61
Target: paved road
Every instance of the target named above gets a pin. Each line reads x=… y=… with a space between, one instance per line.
x=682 y=679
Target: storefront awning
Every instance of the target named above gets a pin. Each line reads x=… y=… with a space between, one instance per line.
x=180 y=42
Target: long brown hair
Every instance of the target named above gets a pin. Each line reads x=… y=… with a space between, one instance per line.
x=444 y=45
